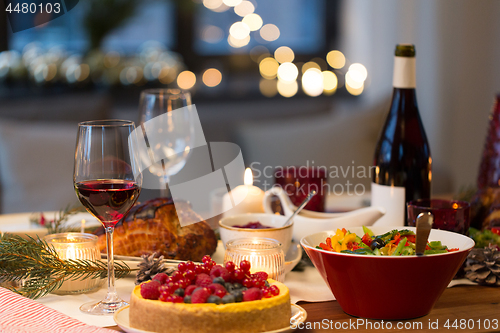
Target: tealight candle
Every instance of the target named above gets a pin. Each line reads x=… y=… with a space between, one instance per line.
x=74 y=245
x=264 y=254
x=244 y=198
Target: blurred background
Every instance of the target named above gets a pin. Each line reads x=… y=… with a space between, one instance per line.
x=292 y=82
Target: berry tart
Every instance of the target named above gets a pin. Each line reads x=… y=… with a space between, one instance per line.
x=210 y=298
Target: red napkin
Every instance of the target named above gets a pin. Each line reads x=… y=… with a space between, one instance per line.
x=19 y=314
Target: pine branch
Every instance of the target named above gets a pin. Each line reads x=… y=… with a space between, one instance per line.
x=58 y=224
x=37 y=265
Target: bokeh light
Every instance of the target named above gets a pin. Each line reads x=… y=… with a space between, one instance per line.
x=212 y=4
x=349 y=80
x=244 y=8
x=212 y=34
x=309 y=65
x=239 y=30
x=269 y=32
x=335 y=59
x=358 y=72
x=268 y=68
x=354 y=91
x=111 y=59
x=330 y=82
x=323 y=66
x=312 y=82
x=284 y=54
x=212 y=77
x=237 y=43
x=254 y=21
x=186 y=80
x=232 y=3
x=268 y=88
x=287 y=89
x=287 y=72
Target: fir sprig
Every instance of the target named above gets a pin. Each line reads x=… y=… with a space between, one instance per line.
x=37 y=265
x=58 y=224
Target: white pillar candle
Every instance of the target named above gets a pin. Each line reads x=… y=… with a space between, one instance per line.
x=74 y=245
x=244 y=198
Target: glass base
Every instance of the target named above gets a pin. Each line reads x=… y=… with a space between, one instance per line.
x=102 y=308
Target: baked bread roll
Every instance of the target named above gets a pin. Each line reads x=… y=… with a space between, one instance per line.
x=153 y=226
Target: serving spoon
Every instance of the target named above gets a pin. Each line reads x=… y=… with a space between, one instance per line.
x=301 y=206
x=424 y=225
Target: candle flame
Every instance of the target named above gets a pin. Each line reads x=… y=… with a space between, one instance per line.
x=248 y=179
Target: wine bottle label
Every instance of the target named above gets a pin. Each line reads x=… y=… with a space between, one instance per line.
x=404 y=73
x=392 y=198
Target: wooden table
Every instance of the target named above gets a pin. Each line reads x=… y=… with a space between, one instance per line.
x=471 y=304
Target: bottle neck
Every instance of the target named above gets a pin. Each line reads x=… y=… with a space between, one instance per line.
x=404 y=73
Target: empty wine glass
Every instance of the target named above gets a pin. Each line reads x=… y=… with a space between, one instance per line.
x=104 y=181
x=176 y=137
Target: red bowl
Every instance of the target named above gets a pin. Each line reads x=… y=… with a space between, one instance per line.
x=386 y=287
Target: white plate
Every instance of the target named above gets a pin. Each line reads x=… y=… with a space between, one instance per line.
x=20 y=224
x=299 y=315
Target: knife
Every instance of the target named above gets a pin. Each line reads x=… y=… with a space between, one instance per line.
x=424 y=225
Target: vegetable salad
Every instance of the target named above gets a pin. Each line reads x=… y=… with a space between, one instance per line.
x=392 y=243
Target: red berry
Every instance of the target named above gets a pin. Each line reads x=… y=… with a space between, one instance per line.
x=150 y=290
x=176 y=276
x=206 y=259
x=258 y=283
x=266 y=292
x=190 y=274
x=177 y=299
x=238 y=275
x=274 y=290
x=215 y=287
x=189 y=289
x=230 y=266
x=252 y=294
x=165 y=290
x=164 y=297
x=203 y=280
x=209 y=264
x=190 y=265
x=245 y=265
x=262 y=275
x=219 y=271
x=184 y=283
x=220 y=293
x=161 y=277
x=181 y=267
x=200 y=296
x=199 y=269
x=247 y=283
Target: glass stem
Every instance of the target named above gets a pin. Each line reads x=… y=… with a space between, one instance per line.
x=111 y=295
x=165 y=190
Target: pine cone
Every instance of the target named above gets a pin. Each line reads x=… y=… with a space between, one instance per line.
x=149 y=267
x=483 y=266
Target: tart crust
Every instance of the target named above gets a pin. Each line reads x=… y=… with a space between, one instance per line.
x=256 y=316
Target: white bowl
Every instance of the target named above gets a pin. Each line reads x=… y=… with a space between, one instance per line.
x=277 y=231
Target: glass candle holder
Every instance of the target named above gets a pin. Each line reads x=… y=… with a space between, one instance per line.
x=298 y=181
x=264 y=254
x=450 y=215
x=74 y=245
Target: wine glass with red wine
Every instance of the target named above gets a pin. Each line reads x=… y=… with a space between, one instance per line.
x=107 y=183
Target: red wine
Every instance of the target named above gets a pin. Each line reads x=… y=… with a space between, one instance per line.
x=107 y=200
x=402 y=156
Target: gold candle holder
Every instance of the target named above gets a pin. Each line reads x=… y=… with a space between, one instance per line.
x=74 y=245
x=264 y=254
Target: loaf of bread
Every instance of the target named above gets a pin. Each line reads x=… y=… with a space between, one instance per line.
x=153 y=226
